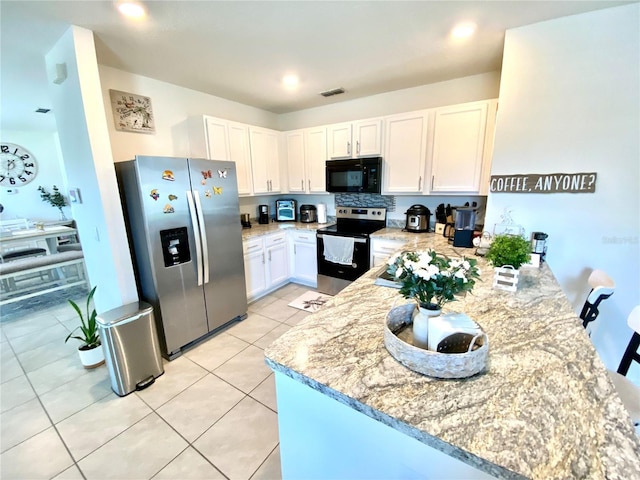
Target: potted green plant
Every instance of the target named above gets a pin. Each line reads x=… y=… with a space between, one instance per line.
x=507 y=254
x=55 y=199
x=90 y=351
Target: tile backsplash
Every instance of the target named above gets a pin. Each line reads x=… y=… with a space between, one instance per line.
x=366 y=200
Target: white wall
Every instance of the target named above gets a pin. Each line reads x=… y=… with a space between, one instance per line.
x=26 y=203
x=172 y=106
x=84 y=142
x=569 y=102
x=460 y=90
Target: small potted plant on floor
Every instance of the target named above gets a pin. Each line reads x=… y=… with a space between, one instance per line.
x=91 y=352
x=507 y=254
x=55 y=199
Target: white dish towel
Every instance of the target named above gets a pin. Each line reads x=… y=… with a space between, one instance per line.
x=338 y=249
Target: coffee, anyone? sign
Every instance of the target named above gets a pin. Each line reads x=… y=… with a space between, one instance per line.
x=544 y=183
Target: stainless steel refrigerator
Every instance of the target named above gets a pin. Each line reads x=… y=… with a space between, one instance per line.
x=183 y=223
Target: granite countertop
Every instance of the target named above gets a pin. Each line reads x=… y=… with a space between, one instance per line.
x=258 y=230
x=544 y=409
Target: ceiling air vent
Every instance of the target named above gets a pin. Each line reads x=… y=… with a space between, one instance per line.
x=332 y=92
x=43 y=110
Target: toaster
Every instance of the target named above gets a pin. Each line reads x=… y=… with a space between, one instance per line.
x=285 y=210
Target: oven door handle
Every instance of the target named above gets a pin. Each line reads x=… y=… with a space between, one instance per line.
x=356 y=240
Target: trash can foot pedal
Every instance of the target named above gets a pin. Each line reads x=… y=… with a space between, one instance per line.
x=145 y=383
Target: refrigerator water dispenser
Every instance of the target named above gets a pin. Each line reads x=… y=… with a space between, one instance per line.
x=175 y=246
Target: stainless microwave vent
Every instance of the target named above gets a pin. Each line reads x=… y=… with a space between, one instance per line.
x=332 y=92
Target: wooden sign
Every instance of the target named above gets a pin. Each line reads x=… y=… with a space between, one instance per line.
x=544 y=183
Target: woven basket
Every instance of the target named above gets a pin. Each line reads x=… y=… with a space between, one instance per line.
x=427 y=362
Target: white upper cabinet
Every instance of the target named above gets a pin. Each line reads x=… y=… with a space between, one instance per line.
x=265 y=161
x=208 y=138
x=315 y=149
x=405 y=153
x=355 y=139
x=367 y=136
x=339 y=140
x=219 y=139
x=460 y=157
x=306 y=156
x=238 y=136
x=296 y=161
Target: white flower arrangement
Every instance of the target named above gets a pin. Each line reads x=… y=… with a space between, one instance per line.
x=432 y=279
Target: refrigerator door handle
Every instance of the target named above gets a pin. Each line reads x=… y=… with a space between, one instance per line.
x=203 y=235
x=196 y=233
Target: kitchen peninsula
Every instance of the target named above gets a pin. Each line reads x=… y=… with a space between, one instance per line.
x=545 y=407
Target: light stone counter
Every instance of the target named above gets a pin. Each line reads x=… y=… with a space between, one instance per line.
x=544 y=409
x=258 y=230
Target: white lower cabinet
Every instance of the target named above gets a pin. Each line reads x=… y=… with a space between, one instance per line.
x=277 y=260
x=303 y=262
x=382 y=249
x=272 y=260
x=266 y=264
x=255 y=272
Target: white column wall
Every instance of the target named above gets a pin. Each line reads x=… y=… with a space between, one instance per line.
x=85 y=146
x=570 y=102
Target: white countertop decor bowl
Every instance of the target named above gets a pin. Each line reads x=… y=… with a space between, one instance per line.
x=427 y=362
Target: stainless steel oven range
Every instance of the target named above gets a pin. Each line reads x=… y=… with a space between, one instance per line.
x=343 y=249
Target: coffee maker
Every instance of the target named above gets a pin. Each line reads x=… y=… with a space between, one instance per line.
x=538 y=245
x=464 y=227
x=263 y=214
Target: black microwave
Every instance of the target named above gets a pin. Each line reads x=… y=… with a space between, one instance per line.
x=357 y=175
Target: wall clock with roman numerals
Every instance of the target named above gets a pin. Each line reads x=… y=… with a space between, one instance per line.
x=18 y=166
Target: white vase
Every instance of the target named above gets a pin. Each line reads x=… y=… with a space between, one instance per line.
x=91 y=358
x=421 y=325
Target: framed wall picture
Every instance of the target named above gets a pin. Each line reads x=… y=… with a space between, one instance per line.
x=131 y=112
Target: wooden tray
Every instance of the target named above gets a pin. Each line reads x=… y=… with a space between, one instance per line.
x=427 y=362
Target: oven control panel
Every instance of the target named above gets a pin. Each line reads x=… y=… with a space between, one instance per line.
x=360 y=213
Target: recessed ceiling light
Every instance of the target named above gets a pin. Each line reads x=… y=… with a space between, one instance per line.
x=463 y=30
x=290 y=81
x=131 y=9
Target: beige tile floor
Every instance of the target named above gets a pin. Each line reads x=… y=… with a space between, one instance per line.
x=212 y=415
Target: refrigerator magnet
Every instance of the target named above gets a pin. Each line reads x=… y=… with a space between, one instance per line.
x=217 y=190
x=222 y=173
x=168 y=209
x=207 y=193
x=206 y=174
x=172 y=197
x=168 y=175
x=154 y=194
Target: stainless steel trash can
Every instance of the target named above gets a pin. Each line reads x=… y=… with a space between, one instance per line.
x=131 y=347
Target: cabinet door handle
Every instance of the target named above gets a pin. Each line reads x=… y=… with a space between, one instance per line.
x=302 y=184
x=432 y=179
x=309 y=185
x=294 y=249
x=263 y=258
x=269 y=255
x=420 y=183
x=267 y=185
x=358 y=147
x=348 y=148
